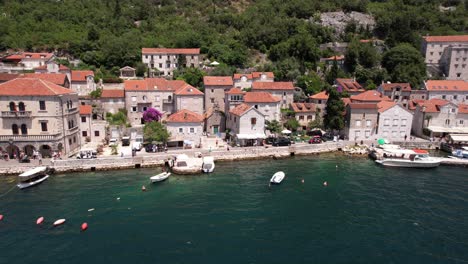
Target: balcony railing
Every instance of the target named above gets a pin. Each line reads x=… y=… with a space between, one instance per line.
x=26 y=138
x=71 y=110
x=16 y=114
x=167 y=101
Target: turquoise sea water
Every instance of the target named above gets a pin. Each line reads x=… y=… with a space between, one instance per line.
x=366 y=214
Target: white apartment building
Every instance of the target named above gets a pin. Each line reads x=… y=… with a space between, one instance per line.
x=453 y=91
x=24 y=61
x=165 y=61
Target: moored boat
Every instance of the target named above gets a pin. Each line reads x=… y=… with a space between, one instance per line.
x=208 y=164
x=407 y=158
x=461 y=153
x=277 y=178
x=32 y=177
x=160 y=177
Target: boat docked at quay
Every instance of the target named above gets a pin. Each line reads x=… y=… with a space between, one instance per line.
x=160 y=177
x=208 y=164
x=33 y=177
x=394 y=156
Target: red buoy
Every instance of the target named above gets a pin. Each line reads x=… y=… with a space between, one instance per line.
x=1 y=217
x=40 y=220
x=84 y=226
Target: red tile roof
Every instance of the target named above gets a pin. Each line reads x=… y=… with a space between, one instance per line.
x=30 y=55
x=218 y=80
x=235 y=90
x=7 y=76
x=385 y=105
x=169 y=51
x=457 y=38
x=238 y=76
x=320 y=96
x=363 y=106
x=260 y=97
x=303 y=107
x=257 y=75
x=86 y=109
x=463 y=108
x=31 y=87
x=349 y=85
x=185 y=116
x=272 y=86
x=80 y=76
x=391 y=86
x=433 y=105
x=152 y=84
x=57 y=78
x=446 y=85
x=413 y=103
x=61 y=67
x=240 y=109
x=369 y=96
x=336 y=57
x=188 y=90
x=113 y=94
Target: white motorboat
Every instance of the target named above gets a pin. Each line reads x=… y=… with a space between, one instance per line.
x=406 y=158
x=32 y=177
x=160 y=177
x=208 y=164
x=461 y=153
x=277 y=178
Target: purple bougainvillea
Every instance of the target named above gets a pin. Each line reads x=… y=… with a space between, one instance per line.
x=151 y=115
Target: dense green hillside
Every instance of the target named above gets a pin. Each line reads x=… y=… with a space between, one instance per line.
x=110 y=33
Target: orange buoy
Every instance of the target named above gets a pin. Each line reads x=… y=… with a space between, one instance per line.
x=84 y=226
x=143 y=188
x=325 y=183
x=40 y=220
x=1 y=217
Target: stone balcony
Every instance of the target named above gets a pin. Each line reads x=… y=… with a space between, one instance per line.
x=27 y=138
x=16 y=114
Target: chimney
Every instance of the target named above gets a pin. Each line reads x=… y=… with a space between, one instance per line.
x=185 y=115
x=155 y=87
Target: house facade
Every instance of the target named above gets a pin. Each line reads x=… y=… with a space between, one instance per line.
x=215 y=121
x=394 y=121
x=453 y=91
x=163 y=61
x=112 y=100
x=215 y=89
x=247 y=125
x=38 y=116
x=82 y=82
x=189 y=98
x=245 y=80
x=371 y=96
x=304 y=114
x=186 y=128
x=24 y=61
x=349 y=85
x=397 y=92
x=282 y=90
x=92 y=130
x=267 y=104
x=361 y=121
x=320 y=100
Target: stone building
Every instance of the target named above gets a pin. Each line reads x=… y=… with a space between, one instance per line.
x=186 y=128
x=361 y=121
x=163 y=61
x=394 y=121
x=92 y=129
x=215 y=121
x=189 y=98
x=349 y=85
x=24 y=61
x=304 y=114
x=245 y=80
x=82 y=82
x=282 y=90
x=265 y=103
x=38 y=116
x=215 y=89
x=247 y=125
x=453 y=91
x=397 y=92
x=112 y=100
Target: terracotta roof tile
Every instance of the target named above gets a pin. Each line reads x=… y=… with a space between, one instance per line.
x=8 y=76
x=456 y=38
x=346 y=100
x=185 y=116
x=272 y=86
x=30 y=55
x=57 y=78
x=433 y=105
x=235 y=90
x=86 y=109
x=151 y=84
x=218 y=80
x=369 y=96
x=336 y=57
x=31 y=87
x=320 y=96
x=238 y=76
x=169 y=51
x=258 y=75
x=446 y=85
x=303 y=107
x=260 y=97
x=188 y=90
x=80 y=76
x=349 y=85
x=113 y=94
x=240 y=109
x=463 y=108
x=385 y=105
x=391 y=86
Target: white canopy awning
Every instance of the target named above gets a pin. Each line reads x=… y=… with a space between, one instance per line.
x=459 y=137
x=251 y=136
x=455 y=130
x=214 y=63
x=286 y=131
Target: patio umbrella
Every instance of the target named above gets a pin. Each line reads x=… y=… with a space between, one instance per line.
x=286 y=131
x=381 y=141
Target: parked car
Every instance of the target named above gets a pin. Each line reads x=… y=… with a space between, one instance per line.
x=125 y=141
x=112 y=141
x=137 y=146
x=282 y=141
x=270 y=140
x=315 y=140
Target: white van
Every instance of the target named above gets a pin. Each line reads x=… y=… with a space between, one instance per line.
x=138 y=144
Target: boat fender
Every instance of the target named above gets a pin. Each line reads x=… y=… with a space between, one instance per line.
x=59 y=222
x=40 y=220
x=84 y=226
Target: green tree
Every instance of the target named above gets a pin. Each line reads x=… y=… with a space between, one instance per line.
x=118 y=119
x=192 y=76
x=404 y=63
x=317 y=122
x=273 y=126
x=292 y=124
x=310 y=83
x=155 y=131
x=333 y=118
x=140 y=69
x=96 y=93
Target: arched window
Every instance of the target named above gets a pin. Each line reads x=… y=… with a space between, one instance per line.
x=21 y=106
x=144 y=98
x=12 y=106
x=24 y=129
x=14 y=129
x=169 y=98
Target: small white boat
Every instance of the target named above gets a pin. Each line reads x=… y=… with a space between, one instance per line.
x=160 y=177
x=59 y=222
x=32 y=177
x=410 y=159
x=277 y=178
x=461 y=153
x=208 y=164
